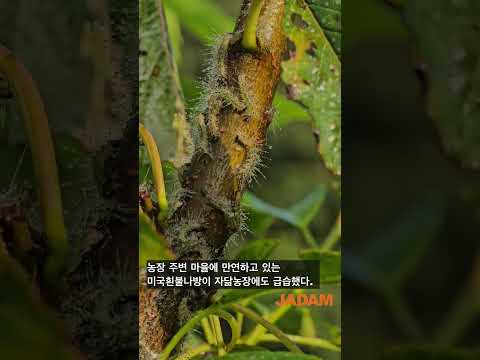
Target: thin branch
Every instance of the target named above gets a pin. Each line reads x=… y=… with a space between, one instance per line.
x=252 y=315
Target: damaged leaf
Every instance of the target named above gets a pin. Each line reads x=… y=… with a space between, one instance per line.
x=312 y=71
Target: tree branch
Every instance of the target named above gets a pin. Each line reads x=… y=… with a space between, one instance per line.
x=229 y=133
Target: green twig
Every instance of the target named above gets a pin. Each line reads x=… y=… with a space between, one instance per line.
x=240 y=317
x=289 y=344
x=157 y=171
x=308 y=325
x=334 y=235
x=402 y=315
x=184 y=330
x=200 y=349
x=207 y=330
x=463 y=312
x=249 y=38
x=272 y=318
x=235 y=329
x=309 y=239
x=44 y=162
x=303 y=340
x=214 y=330
x=217 y=329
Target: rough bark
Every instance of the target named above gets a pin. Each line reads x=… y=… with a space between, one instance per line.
x=229 y=133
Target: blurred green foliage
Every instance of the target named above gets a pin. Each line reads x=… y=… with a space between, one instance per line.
x=450 y=55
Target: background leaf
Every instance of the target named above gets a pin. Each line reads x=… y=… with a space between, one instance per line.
x=203 y=19
x=257 y=249
x=299 y=215
x=395 y=252
x=330 y=264
x=175 y=33
x=446 y=34
x=161 y=100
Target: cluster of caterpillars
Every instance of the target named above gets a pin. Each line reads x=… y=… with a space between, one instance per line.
x=206 y=211
x=228 y=131
x=225 y=159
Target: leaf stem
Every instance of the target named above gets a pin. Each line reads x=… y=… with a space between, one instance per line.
x=307 y=324
x=289 y=344
x=164 y=355
x=402 y=315
x=200 y=349
x=232 y=322
x=303 y=340
x=44 y=162
x=334 y=235
x=259 y=330
x=249 y=38
x=185 y=329
x=218 y=331
x=207 y=330
x=157 y=171
x=463 y=312
x=240 y=317
x=214 y=330
x=309 y=239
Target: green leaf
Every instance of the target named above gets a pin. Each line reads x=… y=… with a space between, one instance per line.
x=304 y=211
x=389 y=258
x=330 y=264
x=250 y=201
x=446 y=34
x=152 y=245
x=257 y=249
x=175 y=32
x=396 y=251
x=267 y=355
x=203 y=19
x=300 y=215
x=313 y=72
x=259 y=223
x=329 y=17
x=160 y=99
x=287 y=111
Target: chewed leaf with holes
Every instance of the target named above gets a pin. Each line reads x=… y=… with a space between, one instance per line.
x=447 y=41
x=328 y=15
x=312 y=71
x=161 y=105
